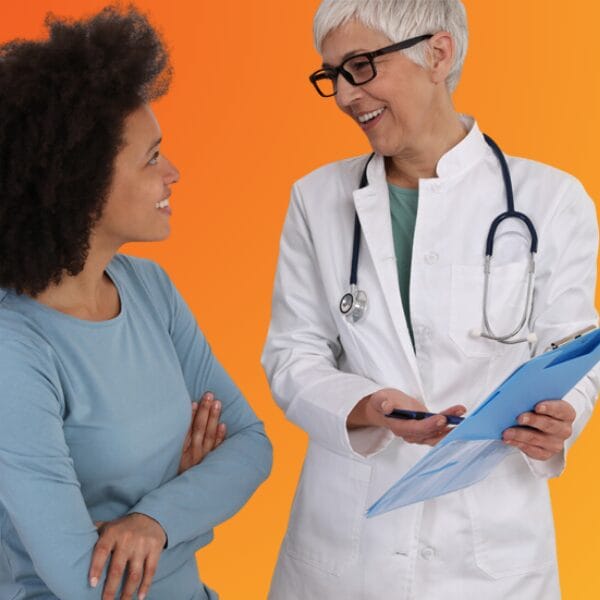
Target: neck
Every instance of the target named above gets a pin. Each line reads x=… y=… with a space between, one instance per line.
x=89 y=295
x=420 y=162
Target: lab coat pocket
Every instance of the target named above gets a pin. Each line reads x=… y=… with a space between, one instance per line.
x=511 y=520
x=505 y=305
x=328 y=511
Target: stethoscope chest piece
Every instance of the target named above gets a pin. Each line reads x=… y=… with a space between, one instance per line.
x=353 y=304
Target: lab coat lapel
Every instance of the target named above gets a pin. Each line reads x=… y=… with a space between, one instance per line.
x=372 y=207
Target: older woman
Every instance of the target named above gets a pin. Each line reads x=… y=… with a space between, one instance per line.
x=101 y=361
x=379 y=304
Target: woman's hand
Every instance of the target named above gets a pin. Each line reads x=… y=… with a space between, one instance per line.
x=545 y=429
x=205 y=432
x=371 y=411
x=133 y=542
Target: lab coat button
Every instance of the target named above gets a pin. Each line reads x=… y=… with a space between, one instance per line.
x=431 y=258
x=428 y=553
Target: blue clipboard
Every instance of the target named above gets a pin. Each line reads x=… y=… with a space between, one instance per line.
x=471 y=451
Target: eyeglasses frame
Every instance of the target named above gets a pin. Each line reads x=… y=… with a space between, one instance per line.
x=334 y=72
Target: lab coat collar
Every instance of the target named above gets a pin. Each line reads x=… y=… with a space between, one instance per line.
x=469 y=151
x=462 y=157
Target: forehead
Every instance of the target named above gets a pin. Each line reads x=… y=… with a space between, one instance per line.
x=141 y=126
x=349 y=38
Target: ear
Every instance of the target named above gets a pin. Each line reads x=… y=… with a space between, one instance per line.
x=441 y=56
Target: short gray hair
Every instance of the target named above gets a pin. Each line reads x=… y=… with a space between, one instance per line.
x=400 y=20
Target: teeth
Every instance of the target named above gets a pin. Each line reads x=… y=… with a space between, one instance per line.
x=163 y=203
x=365 y=118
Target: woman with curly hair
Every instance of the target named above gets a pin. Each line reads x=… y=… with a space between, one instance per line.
x=107 y=460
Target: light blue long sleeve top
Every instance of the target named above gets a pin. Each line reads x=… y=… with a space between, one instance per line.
x=92 y=421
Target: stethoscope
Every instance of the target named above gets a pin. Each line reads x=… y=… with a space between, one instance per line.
x=353 y=303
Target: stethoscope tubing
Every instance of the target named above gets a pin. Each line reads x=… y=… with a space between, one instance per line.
x=353 y=307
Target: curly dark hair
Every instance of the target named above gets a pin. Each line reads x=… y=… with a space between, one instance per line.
x=63 y=104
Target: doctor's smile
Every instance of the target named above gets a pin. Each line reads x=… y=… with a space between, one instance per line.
x=369 y=119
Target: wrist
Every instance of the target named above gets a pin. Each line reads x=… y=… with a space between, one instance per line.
x=151 y=522
x=358 y=416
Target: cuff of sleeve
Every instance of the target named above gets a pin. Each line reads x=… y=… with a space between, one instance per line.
x=553 y=467
x=176 y=529
x=162 y=520
x=369 y=441
x=137 y=512
x=325 y=420
x=138 y=509
x=547 y=469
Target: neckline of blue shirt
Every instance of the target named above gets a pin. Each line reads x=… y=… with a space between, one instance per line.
x=56 y=314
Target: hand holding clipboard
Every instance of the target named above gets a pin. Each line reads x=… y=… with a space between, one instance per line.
x=469 y=452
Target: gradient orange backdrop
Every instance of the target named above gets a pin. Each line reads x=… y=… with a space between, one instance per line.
x=242 y=123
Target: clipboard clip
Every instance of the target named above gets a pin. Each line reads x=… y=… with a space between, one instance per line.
x=573 y=336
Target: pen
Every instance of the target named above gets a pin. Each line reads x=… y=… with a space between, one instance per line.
x=398 y=413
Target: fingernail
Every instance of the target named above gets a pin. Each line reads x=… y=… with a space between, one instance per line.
x=524 y=419
x=141 y=596
x=509 y=435
x=542 y=408
x=94 y=582
x=386 y=406
x=217 y=405
x=209 y=395
x=194 y=406
x=440 y=422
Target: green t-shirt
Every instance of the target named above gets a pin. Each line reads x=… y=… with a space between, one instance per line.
x=403 y=206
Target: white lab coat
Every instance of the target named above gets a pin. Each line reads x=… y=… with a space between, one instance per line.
x=494 y=540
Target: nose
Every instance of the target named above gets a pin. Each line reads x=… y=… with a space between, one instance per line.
x=346 y=93
x=171 y=174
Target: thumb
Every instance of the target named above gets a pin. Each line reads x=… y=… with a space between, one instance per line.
x=381 y=403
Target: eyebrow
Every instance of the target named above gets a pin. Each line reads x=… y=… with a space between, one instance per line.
x=346 y=56
x=156 y=143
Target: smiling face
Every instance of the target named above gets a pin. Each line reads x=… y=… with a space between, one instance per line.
x=137 y=208
x=396 y=109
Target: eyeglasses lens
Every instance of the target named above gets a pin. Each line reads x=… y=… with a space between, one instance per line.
x=360 y=68
x=325 y=83
x=357 y=70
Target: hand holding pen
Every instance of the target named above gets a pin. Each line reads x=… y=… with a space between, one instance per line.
x=373 y=411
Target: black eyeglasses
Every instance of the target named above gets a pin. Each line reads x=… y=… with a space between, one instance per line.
x=358 y=69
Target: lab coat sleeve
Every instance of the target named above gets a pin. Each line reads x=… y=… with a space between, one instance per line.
x=564 y=300
x=207 y=494
x=303 y=347
x=39 y=488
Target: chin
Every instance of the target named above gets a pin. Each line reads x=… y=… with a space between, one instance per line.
x=163 y=236
x=157 y=236
x=381 y=147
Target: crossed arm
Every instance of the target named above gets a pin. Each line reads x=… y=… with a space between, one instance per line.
x=132 y=544
x=41 y=495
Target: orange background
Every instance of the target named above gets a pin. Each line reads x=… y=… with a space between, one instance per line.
x=242 y=123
